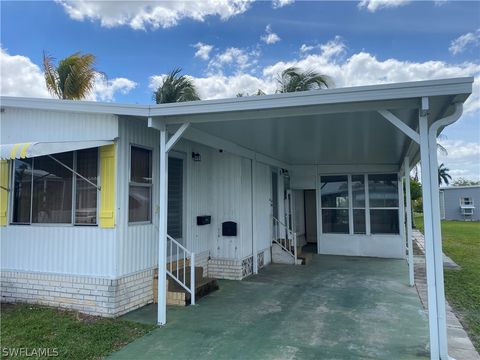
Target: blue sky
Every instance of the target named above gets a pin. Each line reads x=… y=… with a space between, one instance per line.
x=229 y=46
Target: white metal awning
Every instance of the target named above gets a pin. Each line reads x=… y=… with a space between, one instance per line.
x=33 y=149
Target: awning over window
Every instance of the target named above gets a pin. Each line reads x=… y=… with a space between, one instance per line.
x=33 y=149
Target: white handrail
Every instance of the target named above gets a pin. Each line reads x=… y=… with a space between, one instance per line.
x=290 y=240
x=186 y=254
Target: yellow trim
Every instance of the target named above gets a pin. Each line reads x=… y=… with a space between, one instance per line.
x=13 y=152
x=4 y=193
x=23 y=151
x=107 y=184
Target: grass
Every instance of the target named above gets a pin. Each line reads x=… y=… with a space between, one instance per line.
x=461 y=242
x=71 y=334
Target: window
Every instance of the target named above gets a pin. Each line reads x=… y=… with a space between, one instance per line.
x=383 y=196
x=334 y=200
x=46 y=192
x=466 y=201
x=358 y=197
x=86 y=194
x=372 y=209
x=140 y=189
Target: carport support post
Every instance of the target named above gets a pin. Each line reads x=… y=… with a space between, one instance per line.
x=428 y=233
x=162 y=229
x=408 y=200
x=254 y=216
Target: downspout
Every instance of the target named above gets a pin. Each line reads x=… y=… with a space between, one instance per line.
x=437 y=231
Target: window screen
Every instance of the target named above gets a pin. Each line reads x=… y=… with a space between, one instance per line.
x=140 y=189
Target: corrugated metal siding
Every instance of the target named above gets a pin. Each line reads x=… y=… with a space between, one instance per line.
x=25 y=125
x=219 y=185
x=137 y=245
x=75 y=250
x=263 y=198
x=452 y=202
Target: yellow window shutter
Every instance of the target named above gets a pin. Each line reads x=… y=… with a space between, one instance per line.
x=107 y=183
x=3 y=191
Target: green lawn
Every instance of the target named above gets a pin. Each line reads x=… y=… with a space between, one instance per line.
x=461 y=241
x=72 y=335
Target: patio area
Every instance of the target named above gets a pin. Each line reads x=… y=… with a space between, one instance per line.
x=335 y=308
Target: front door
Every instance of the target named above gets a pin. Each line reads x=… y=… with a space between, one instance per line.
x=176 y=200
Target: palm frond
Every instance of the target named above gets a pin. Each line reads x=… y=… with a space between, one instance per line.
x=294 y=79
x=175 y=88
x=51 y=76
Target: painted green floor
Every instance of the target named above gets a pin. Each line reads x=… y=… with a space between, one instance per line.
x=334 y=308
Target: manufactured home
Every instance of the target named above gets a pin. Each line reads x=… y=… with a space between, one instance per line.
x=108 y=207
x=460 y=203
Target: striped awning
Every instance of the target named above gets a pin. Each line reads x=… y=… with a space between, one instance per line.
x=33 y=149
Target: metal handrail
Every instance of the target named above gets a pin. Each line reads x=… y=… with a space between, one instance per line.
x=186 y=254
x=289 y=242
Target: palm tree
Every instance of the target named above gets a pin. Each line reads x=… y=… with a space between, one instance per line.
x=443 y=175
x=294 y=79
x=73 y=78
x=175 y=88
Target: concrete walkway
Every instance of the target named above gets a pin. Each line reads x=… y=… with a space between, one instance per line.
x=459 y=344
x=334 y=308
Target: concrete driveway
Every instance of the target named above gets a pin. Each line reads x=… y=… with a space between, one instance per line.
x=334 y=308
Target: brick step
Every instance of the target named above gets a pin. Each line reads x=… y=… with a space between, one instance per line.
x=305 y=258
x=179 y=275
x=177 y=295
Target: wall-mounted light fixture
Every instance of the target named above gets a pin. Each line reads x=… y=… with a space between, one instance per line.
x=196 y=156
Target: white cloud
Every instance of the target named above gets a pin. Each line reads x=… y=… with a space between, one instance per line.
x=361 y=68
x=105 y=89
x=306 y=48
x=21 y=77
x=270 y=37
x=459 y=45
x=276 y=4
x=463 y=158
x=140 y=15
x=233 y=58
x=203 y=50
x=374 y=5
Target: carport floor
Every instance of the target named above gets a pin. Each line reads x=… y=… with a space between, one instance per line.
x=334 y=308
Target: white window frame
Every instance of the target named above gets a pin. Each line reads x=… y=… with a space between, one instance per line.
x=350 y=209
x=146 y=185
x=72 y=222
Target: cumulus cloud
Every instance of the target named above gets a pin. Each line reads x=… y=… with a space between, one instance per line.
x=203 y=50
x=374 y=5
x=106 y=89
x=460 y=44
x=462 y=158
x=270 y=37
x=234 y=59
x=276 y=4
x=140 y=15
x=332 y=59
x=21 y=77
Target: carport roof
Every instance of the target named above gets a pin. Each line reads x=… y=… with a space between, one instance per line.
x=332 y=126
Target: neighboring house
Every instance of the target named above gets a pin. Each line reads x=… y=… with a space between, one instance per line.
x=97 y=197
x=460 y=203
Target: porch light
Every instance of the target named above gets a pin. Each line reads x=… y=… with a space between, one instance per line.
x=196 y=156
